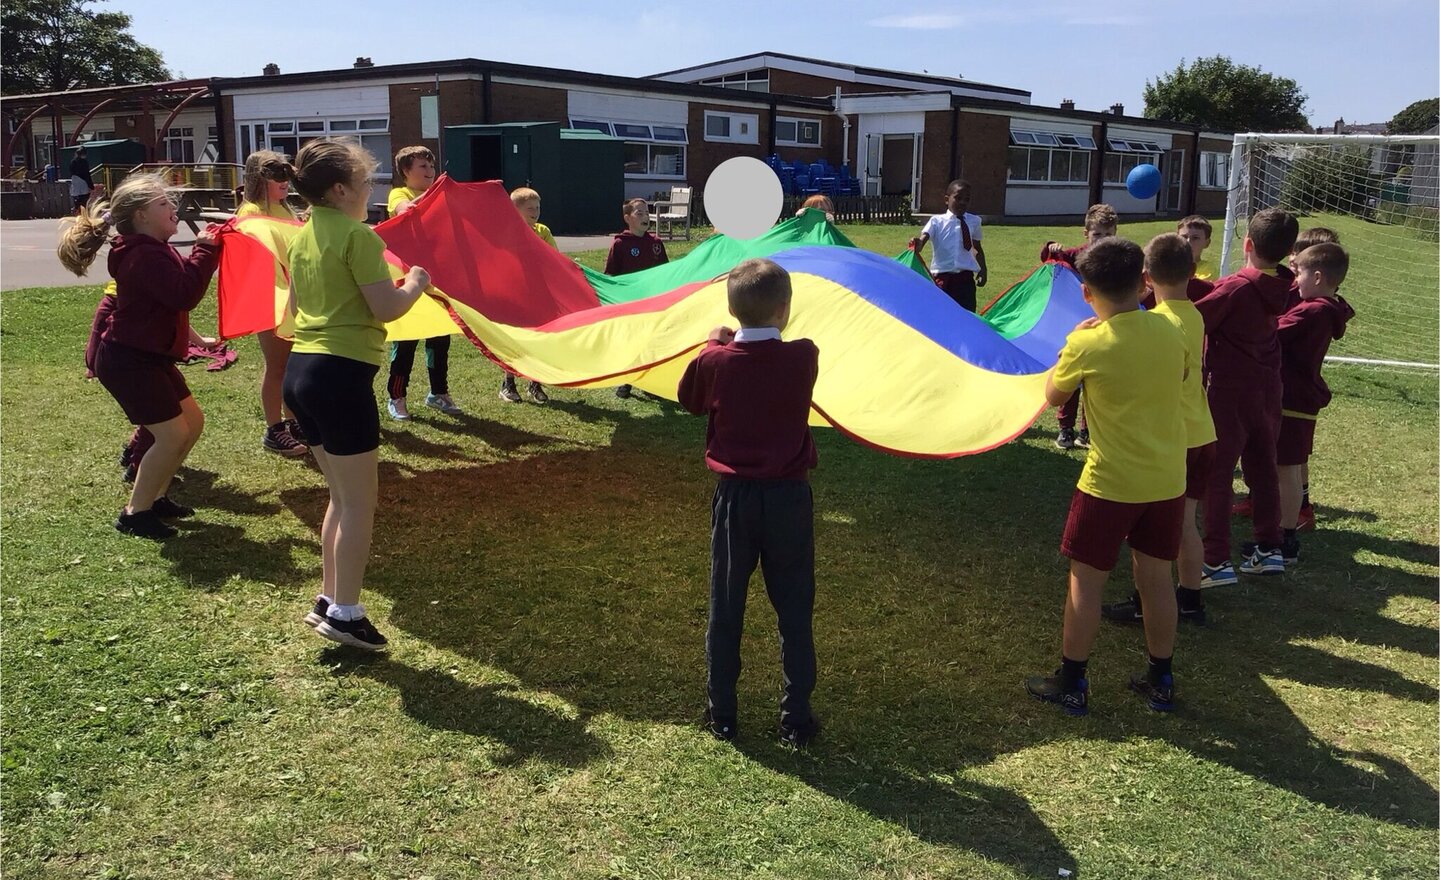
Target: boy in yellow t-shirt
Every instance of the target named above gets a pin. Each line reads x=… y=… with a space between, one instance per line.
x=1196 y=232
x=527 y=202
x=1133 y=484
x=415 y=166
x=1169 y=261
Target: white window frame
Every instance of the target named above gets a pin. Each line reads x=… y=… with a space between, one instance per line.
x=1129 y=158
x=799 y=121
x=748 y=80
x=660 y=134
x=752 y=119
x=1214 y=170
x=1049 y=142
x=373 y=132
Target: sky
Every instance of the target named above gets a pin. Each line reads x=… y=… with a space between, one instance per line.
x=1363 y=61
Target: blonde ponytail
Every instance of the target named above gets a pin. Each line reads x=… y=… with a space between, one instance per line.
x=82 y=237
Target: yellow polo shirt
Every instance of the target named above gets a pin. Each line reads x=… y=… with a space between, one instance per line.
x=544 y=232
x=1199 y=426
x=400 y=194
x=277 y=210
x=1133 y=367
x=330 y=260
x=1206 y=270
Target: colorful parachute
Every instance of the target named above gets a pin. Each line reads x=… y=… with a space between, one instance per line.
x=902 y=368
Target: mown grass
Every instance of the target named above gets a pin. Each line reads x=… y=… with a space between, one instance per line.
x=542 y=573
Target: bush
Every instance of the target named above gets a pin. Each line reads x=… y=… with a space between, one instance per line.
x=1334 y=181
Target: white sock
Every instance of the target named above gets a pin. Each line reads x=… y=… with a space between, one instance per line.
x=345 y=612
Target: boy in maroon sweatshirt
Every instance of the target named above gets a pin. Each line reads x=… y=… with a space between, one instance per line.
x=756 y=390
x=1101 y=221
x=1306 y=330
x=634 y=250
x=1242 y=374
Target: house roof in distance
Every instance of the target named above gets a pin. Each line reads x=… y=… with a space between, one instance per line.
x=842 y=71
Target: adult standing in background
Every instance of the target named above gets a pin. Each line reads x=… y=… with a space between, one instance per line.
x=80 y=183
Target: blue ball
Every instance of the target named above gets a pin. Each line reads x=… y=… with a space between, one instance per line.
x=1143 y=181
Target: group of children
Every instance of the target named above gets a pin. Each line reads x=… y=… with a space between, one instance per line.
x=1182 y=378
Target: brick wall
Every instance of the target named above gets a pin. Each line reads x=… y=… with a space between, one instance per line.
x=227 y=114
x=702 y=155
x=785 y=82
x=460 y=104
x=517 y=103
x=984 y=141
x=143 y=130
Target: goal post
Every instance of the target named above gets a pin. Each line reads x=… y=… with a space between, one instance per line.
x=1380 y=194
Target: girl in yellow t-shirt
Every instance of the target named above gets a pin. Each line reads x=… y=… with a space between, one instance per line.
x=267 y=183
x=341 y=295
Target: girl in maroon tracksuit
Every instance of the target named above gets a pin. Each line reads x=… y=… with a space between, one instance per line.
x=148 y=332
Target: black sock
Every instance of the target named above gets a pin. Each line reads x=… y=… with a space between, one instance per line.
x=1289 y=535
x=1188 y=599
x=1305 y=495
x=1159 y=667
x=1071 y=672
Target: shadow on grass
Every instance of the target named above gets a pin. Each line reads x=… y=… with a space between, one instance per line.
x=490 y=712
x=584 y=573
x=209 y=555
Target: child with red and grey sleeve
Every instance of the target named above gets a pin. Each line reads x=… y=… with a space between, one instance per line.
x=1242 y=374
x=756 y=390
x=1306 y=330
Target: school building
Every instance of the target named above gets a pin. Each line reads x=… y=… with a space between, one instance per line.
x=897 y=132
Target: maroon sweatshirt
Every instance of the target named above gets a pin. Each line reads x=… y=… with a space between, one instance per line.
x=631 y=253
x=155 y=289
x=757 y=395
x=1306 y=330
x=98 y=325
x=1242 y=351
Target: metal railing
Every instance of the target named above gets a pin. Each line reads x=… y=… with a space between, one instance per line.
x=211 y=175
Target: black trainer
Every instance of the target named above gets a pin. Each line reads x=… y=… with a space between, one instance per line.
x=144 y=524
x=1082 y=438
x=1065 y=439
x=1290 y=550
x=537 y=393
x=293 y=427
x=316 y=616
x=355 y=633
x=168 y=509
x=1161 y=696
x=1123 y=612
x=507 y=390
x=1051 y=689
x=800 y=735
x=623 y=392
x=723 y=729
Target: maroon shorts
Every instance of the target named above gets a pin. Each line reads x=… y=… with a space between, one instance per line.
x=1198 y=461
x=1096 y=527
x=1296 y=441
x=147 y=386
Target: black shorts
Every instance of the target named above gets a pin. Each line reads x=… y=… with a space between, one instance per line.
x=147 y=385
x=333 y=399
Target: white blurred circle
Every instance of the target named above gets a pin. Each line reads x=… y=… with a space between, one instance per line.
x=743 y=197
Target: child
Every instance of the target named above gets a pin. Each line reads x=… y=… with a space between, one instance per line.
x=1169 y=261
x=1101 y=222
x=959 y=264
x=821 y=202
x=634 y=250
x=267 y=183
x=756 y=391
x=1242 y=373
x=416 y=167
x=527 y=202
x=1305 y=331
x=1132 y=488
x=146 y=332
x=1196 y=232
x=341 y=296
x=1307 y=238
x=82 y=186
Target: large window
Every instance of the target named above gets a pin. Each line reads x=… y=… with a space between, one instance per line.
x=1124 y=155
x=732 y=128
x=791 y=132
x=1049 y=157
x=750 y=81
x=652 y=149
x=180 y=145
x=1215 y=170
x=289 y=135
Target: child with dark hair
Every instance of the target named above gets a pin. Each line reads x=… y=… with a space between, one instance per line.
x=1132 y=488
x=959 y=263
x=756 y=389
x=634 y=250
x=1242 y=373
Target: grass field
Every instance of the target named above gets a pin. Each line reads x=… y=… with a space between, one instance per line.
x=542 y=575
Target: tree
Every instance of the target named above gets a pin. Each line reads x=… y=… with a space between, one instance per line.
x=1418 y=118
x=1217 y=93
x=59 y=45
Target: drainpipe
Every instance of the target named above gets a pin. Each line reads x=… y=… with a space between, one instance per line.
x=845 y=138
x=1102 y=145
x=221 y=141
x=770 y=135
x=954 y=139
x=1192 y=186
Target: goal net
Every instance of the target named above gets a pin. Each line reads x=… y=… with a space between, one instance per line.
x=1379 y=195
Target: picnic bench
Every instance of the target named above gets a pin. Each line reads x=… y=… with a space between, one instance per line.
x=197 y=205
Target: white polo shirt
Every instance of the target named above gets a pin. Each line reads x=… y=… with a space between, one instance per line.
x=950 y=253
